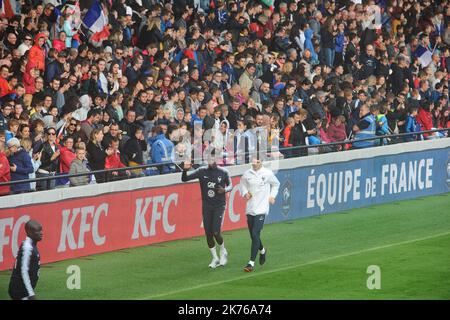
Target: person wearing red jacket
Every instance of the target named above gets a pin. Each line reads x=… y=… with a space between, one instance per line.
x=29 y=79
x=290 y=123
x=67 y=155
x=113 y=161
x=336 y=129
x=4 y=85
x=425 y=119
x=36 y=56
x=5 y=172
x=258 y=26
x=60 y=43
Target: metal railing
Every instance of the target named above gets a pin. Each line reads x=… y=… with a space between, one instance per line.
x=106 y=172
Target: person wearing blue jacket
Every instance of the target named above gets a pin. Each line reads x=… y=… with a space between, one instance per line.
x=412 y=125
x=340 y=45
x=21 y=166
x=309 y=45
x=162 y=150
x=56 y=68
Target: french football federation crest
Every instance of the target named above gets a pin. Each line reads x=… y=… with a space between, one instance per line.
x=286 y=190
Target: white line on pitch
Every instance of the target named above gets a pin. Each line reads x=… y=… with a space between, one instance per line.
x=294 y=266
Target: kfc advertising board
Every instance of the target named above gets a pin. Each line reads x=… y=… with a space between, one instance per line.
x=89 y=225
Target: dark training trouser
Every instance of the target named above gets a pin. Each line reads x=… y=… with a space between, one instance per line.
x=17 y=290
x=212 y=219
x=255 y=225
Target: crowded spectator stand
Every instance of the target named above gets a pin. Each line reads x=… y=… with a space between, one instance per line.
x=92 y=85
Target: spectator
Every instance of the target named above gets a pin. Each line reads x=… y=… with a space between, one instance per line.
x=36 y=56
x=134 y=149
x=49 y=160
x=52 y=91
x=161 y=151
x=382 y=127
x=412 y=125
x=397 y=114
x=399 y=75
x=290 y=123
x=115 y=108
x=60 y=43
x=57 y=69
x=24 y=132
x=328 y=34
x=26 y=144
x=5 y=115
x=298 y=136
x=444 y=121
x=128 y=124
x=4 y=86
x=424 y=118
x=364 y=128
x=20 y=165
x=244 y=141
x=336 y=130
x=96 y=154
x=114 y=132
x=67 y=155
x=246 y=79
x=51 y=118
x=87 y=126
x=368 y=63
x=13 y=128
x=78 y=166
x=5 y=172
x=316 y=105
x=114 y=161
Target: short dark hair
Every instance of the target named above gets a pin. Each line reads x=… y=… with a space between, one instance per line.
x=317 y=78
x=423 y=36
x=93 y=112
x=129 y=110
x=172 y=93
x=411 y=109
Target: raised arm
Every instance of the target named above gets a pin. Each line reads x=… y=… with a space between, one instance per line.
x=192 y=176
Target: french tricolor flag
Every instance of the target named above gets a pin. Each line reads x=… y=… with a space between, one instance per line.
x=425 y=56
x=97 y=22
x=7 y=9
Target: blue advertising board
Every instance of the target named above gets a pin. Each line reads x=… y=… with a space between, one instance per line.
x=321 y=189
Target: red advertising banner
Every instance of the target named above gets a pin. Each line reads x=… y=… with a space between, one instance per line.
x=89 y=225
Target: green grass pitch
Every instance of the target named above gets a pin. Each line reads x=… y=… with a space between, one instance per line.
x=322 y=257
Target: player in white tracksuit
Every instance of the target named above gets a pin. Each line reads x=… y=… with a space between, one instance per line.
x=259 y=186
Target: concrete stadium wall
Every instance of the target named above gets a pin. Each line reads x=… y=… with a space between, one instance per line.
x=92 y=219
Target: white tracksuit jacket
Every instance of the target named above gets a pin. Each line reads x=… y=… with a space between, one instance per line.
x=261 y=184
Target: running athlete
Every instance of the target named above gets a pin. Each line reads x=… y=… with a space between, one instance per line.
x=259 y=186
x=214 y=184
